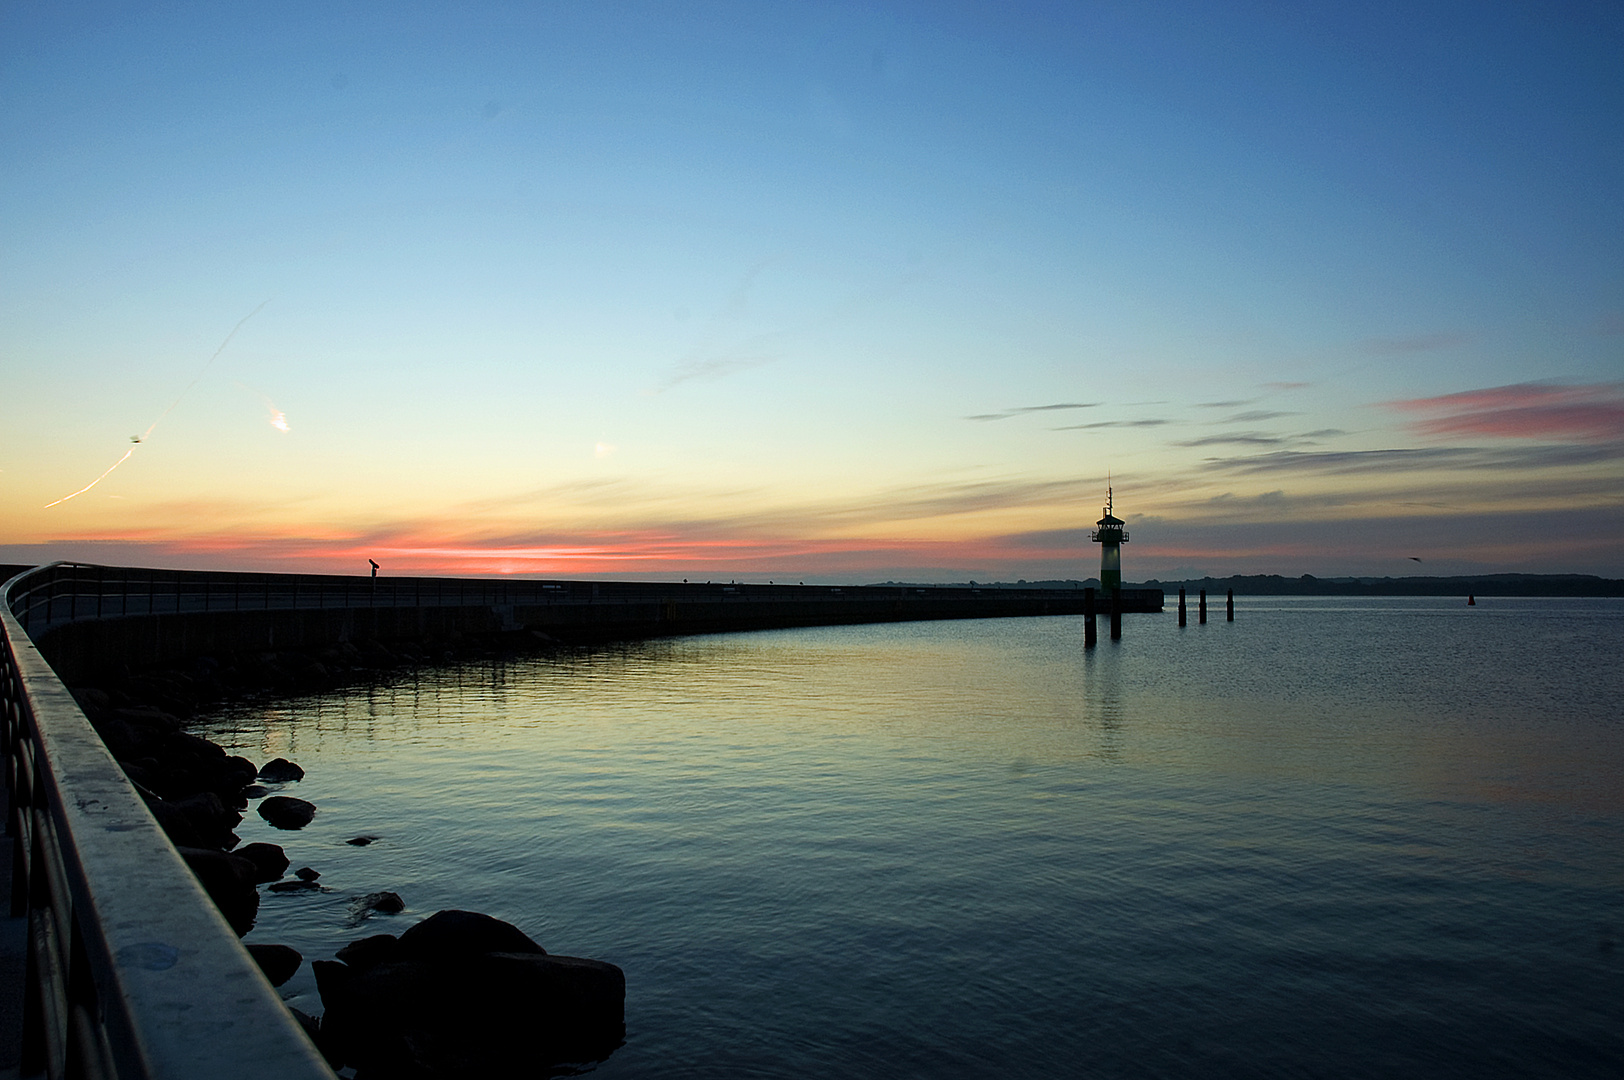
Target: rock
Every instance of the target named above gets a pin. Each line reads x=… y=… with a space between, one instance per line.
x=252 y=791
x=229 y=881
x=311 y=1026
x=376 y=654
x=452 y=1008
x=183 y=746
x=270 y=861
x=361 y=841
x=210 y=818
x=295 y=886
x=582 y=1000
x=304 y=873
x=384 y=903
x=285 y=812
x=332 y=979
x=278 y=962
x=234 y=774
x=369 y=952
x=451 y=934
x=149 y=719
x=92 y=700
x=175 y=824
x=123 y=741
x=140 y=776
x=280 y=771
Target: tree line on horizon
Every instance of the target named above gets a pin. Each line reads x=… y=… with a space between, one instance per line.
x=1309 y=585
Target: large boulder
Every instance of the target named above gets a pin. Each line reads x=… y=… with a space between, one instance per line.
x=285 y=812
x=441 y=1002
x=454 y=934
x=369 y=952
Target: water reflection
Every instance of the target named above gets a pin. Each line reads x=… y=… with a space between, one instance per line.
x=1272 y=847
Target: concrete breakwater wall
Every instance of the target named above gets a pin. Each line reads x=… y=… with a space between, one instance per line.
x=91 y=621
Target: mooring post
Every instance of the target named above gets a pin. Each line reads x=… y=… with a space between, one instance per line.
x=1229 y=606
x=1181 y=607
x=1203 y=607
x=1116 y=614
x=1090 y=630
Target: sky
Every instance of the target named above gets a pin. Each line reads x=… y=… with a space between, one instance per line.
x=795 y=291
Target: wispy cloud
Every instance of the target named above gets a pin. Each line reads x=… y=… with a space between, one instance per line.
x=1235 y=438
x=1587 y=413
x=1254 y=416
x=1394 y=346
x=1020 y=410
x=1437 y=457
x=712 y=368
x=1111 y=424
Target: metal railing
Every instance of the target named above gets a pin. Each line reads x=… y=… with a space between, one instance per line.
x=132 y=972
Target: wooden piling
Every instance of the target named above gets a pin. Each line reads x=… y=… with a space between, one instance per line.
x=1181 y=607
x=1229 y=606
x=1203 y=607
x=1116 y=614
x=1090 y=630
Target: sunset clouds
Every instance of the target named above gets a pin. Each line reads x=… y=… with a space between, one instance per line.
x=1526 y=411
x=578 y=289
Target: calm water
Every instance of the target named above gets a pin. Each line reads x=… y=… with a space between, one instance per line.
x=1340 y=838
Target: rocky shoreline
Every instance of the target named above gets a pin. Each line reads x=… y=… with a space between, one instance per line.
x=459 y=994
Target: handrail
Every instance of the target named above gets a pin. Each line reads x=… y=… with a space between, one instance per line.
x=132 y=970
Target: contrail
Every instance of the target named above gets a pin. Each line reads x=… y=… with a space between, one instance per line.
x=94 y=482
x=141 y=438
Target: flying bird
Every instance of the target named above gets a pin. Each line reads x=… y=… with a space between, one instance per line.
x=1414 y=559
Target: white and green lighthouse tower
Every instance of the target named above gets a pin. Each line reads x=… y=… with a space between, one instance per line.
x=1110 y=536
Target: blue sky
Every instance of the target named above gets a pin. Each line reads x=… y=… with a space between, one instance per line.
x=840 y=291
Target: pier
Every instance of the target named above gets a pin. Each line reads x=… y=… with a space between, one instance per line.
x=129 y=970
x=95 y=619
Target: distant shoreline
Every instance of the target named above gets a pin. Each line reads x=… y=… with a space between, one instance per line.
x=1574 y=585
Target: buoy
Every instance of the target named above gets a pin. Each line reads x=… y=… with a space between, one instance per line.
x=1471 y=601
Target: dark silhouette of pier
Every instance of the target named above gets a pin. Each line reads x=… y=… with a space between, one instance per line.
x=92 y=619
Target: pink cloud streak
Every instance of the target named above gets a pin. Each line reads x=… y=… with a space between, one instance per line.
x=1588 y=413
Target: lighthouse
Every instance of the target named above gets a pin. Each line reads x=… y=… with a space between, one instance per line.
x=1110 y=536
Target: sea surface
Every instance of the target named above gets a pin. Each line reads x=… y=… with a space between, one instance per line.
x=1334 y=838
